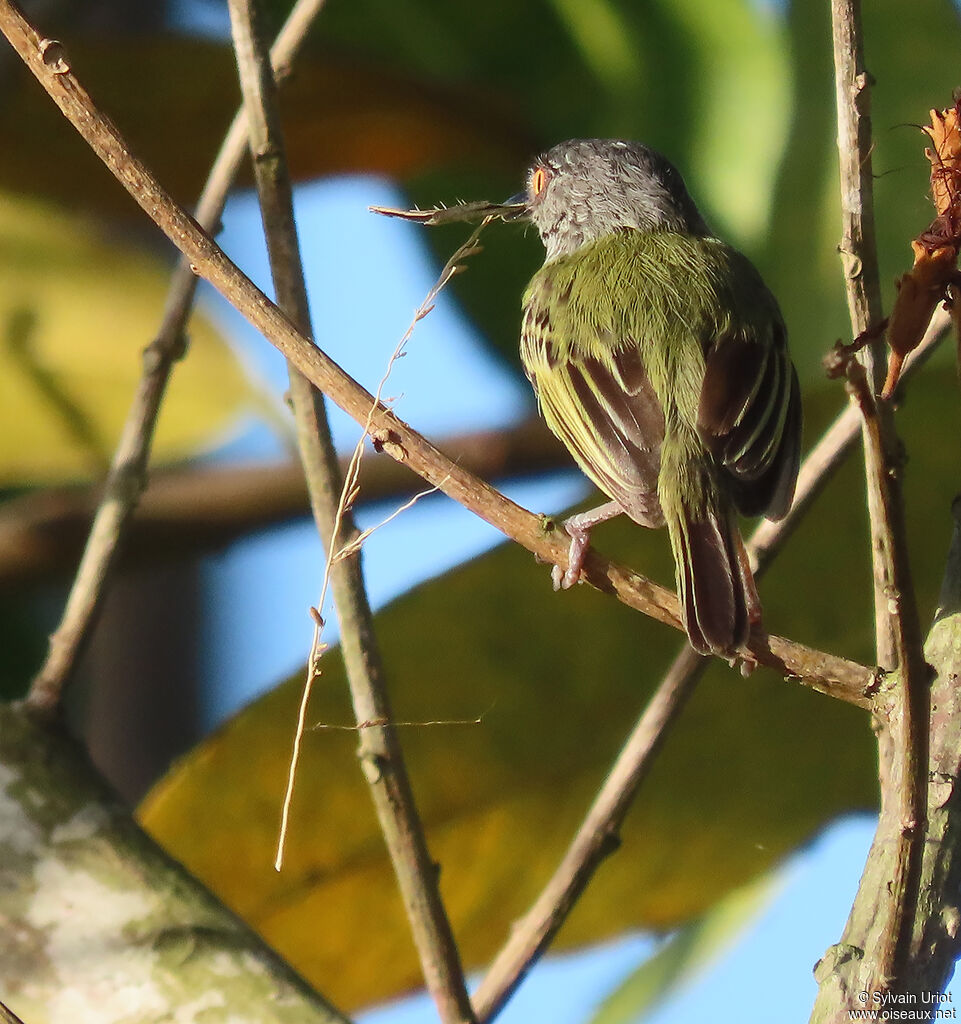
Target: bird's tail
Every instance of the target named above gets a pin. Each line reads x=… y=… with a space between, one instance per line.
x=714 y=580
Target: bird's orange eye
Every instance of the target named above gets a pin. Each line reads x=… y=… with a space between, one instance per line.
x=539 y=180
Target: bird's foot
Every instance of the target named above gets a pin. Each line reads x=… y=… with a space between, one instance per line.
x=746 y=664
x=755 y=627
x=564 y=579
x=579 y=529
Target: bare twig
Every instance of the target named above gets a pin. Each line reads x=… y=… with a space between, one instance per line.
x=128 y=470
x=348 y=493
x=859 y=252
x=596 y=838
x=597 y=835
x=354 y=546
x=828 y=454
x=379 y=745
x=819 y=670
x=897 y=625
x=457 y=214
x=7 y=1016
x=204 y=507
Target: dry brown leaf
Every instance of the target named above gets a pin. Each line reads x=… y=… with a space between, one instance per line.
x=935 y=249
x=945 y=158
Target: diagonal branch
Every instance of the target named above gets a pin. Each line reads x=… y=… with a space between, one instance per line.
x=204 y=507
x=379 y=746
x=127 y=477
x=46 y=60
x=7 y=1016
x=597 y=835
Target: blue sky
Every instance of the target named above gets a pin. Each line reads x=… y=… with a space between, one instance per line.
x=444 y=384
x=270 y=580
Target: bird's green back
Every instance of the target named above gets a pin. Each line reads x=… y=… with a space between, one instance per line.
x=669 y=294
x=651 y=304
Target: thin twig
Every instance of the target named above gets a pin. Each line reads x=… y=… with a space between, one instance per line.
x=595 y=838
x=819 y=670
x=379 y=745
x=828 y=454
x=411 y=724
x=459 y=213
x=204 y=507
x=859 y=254
x=898 y=628
x=128 y=470
x=347 y=492
x=858 y=248
x=7 y=1016
x=353 y=547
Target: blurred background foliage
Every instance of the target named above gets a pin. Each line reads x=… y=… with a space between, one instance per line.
x=451 y=100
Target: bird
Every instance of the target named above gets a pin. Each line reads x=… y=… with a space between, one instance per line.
x=659 y=358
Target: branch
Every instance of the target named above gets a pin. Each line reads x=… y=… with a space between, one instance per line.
x=858 y=247
x=379 y=747
x=896 y=616
x=828 y=454
x=127 y=477
x=859 y=257
x=909 y=717
x=205 y=507
x=597 y=836
x=7 y=1016
x=821 y=671
x=126 y=934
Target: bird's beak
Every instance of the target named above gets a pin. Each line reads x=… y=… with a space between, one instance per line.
x=516 y=207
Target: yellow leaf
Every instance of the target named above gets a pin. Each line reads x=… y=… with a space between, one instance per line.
x=556 y=681
x=754 y=766
x=76 y=311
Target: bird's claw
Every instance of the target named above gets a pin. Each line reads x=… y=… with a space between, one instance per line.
x=564 y=579
x=578 y=528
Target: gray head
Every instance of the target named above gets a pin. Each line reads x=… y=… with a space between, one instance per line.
x=584 y=189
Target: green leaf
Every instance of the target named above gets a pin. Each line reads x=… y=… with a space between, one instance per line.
x=721 y=120
x=76 y=311
x=343 y=113
x=913 y=61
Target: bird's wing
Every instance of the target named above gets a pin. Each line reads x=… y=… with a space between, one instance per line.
x=638 y=328
x=599 y=401
x=749 y=414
